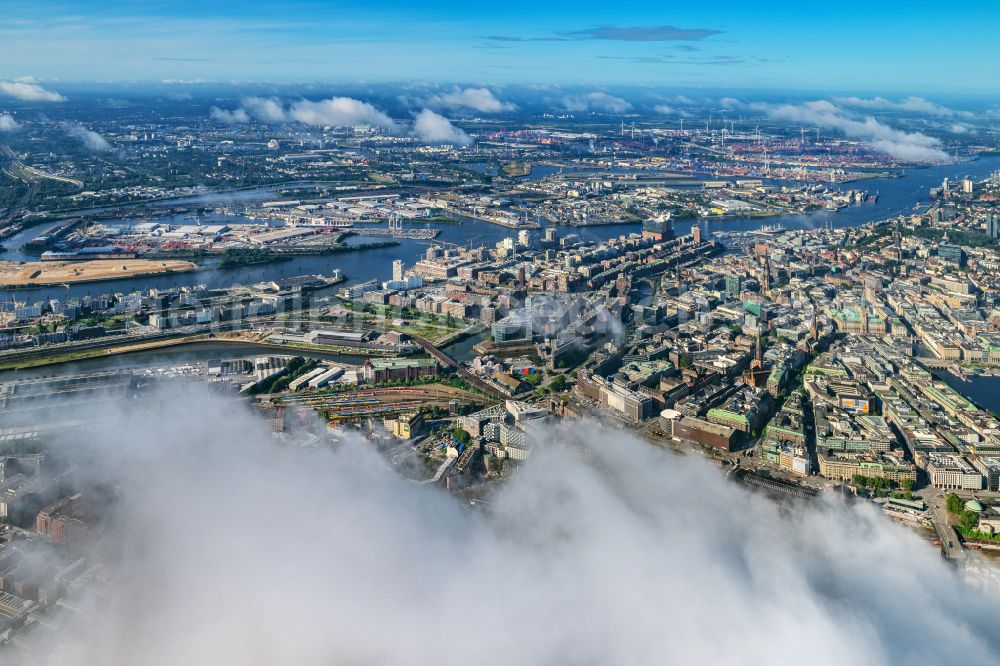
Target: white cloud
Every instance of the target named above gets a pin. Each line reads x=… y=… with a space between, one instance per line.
x=336 y=111
x=730 y=103
x=29 y=92
x=432 y=127
x=238 y=115
x=340 y=111
x=598 y=101
x=479 y=99
x=667 y=110
x=229 y=548
x=7 y=123
x=909 y=146
x=908 y=104
x=265 y=109
x=90 y=139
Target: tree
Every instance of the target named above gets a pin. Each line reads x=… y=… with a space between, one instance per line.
x=559 y=383
x=969 y=520
x=461 y=436
x=953 y=503
x=907 y=485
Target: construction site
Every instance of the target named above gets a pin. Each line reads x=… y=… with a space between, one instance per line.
x=36 y=273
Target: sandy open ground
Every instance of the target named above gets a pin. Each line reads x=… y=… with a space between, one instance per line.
x=14 y=274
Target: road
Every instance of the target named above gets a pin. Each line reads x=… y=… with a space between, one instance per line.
x=949 y=538
x=448 y=362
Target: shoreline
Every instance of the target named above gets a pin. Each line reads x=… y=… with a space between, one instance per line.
x=198 y=339
x=60 y=281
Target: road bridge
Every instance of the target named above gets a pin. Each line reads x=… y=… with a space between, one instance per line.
x=448 y=362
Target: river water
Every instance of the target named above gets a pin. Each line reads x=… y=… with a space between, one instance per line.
x=896 y=195
x=983 y=391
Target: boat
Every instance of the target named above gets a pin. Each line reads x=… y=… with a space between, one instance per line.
x=957 y=371
x=769 y=230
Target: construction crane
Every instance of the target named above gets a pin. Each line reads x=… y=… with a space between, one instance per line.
x=438 y=243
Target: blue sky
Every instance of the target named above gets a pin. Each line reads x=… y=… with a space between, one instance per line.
x=852 y=46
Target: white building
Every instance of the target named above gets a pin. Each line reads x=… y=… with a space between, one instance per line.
x=953 y=472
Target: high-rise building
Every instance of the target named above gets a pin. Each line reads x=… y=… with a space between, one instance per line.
x=733 y=286
x=993 y=226
x=951 y=253
x=397 y=270
x=696 y=233
x=550 y=234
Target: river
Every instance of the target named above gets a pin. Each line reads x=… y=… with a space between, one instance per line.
x=896 y=195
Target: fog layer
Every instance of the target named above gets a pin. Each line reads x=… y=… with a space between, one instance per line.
x=232 y=549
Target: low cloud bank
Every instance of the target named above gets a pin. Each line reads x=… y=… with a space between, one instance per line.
x=90 y=139
x=431 y=127
x=909 y=146
x=916 y=105
x=597 y=101
x=230 y=548
x=27 y=91
x=336 y=111
x=478 y=99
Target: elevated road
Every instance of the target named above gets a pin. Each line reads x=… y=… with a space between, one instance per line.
x=450 y=363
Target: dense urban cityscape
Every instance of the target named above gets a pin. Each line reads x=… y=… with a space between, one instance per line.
x=328 y=369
